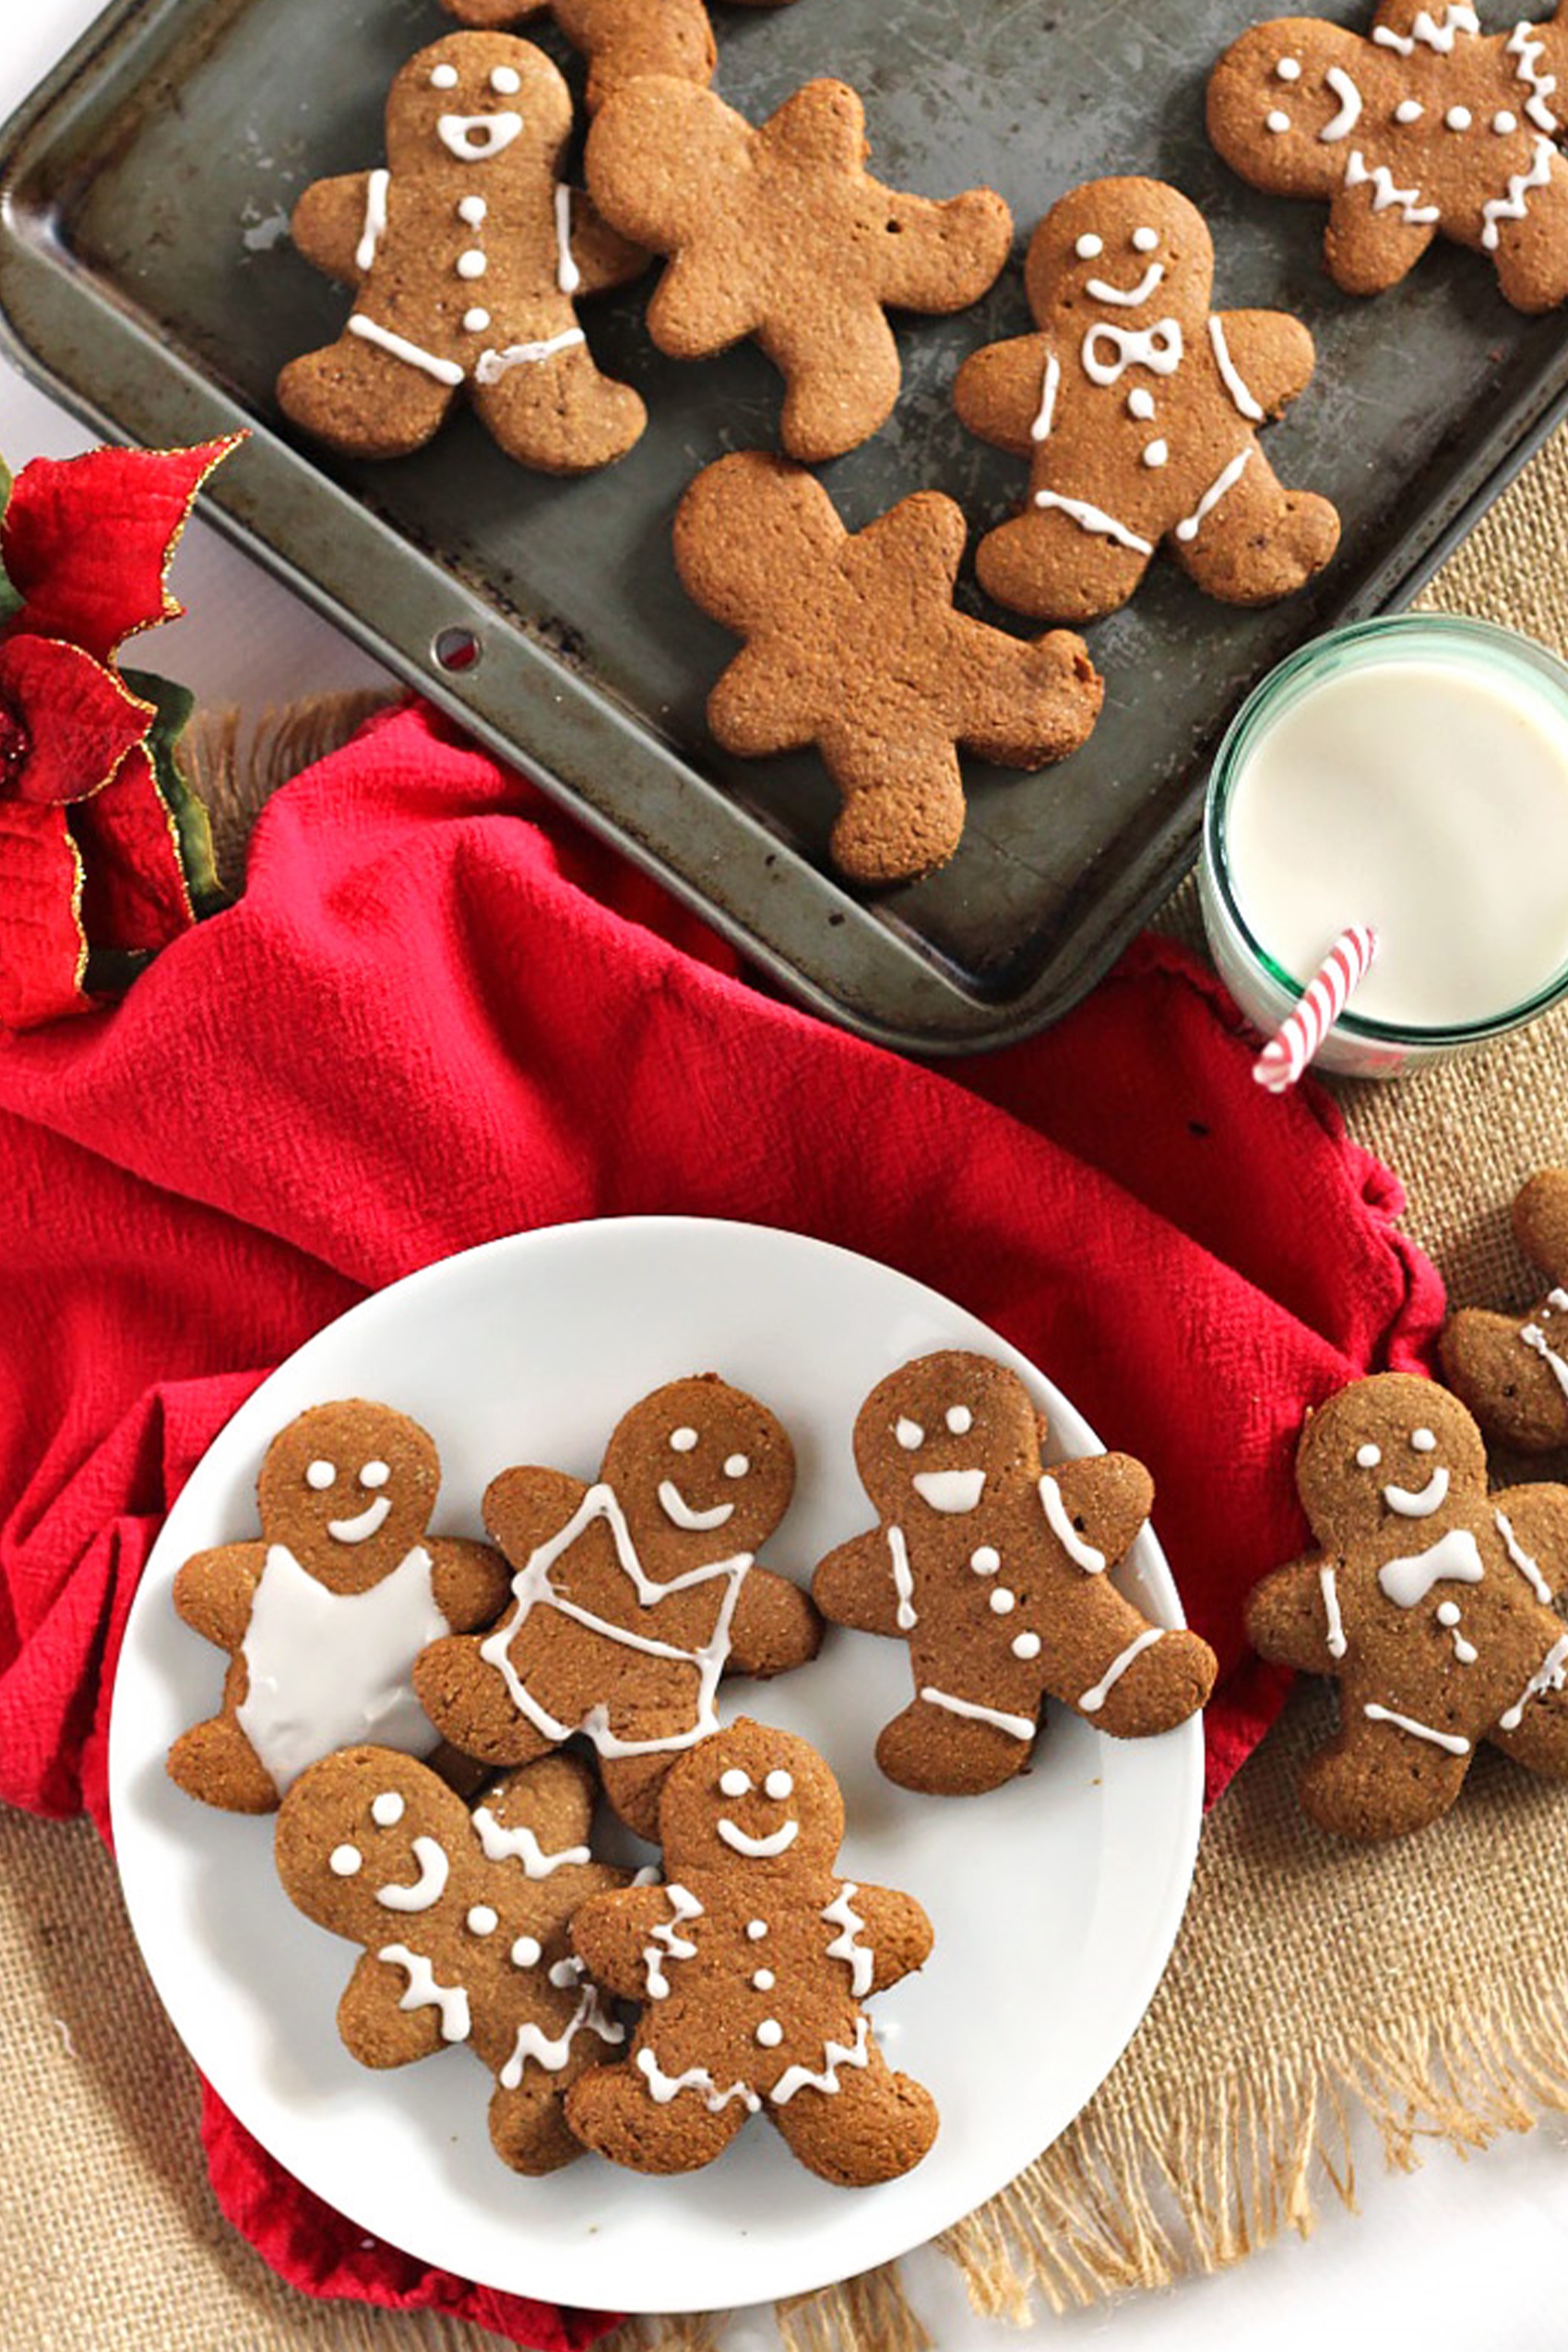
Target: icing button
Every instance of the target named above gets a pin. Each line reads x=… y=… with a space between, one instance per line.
x=770 y=2033
x=756 y=1929
x=1026 y=1645
x=1002 y=1601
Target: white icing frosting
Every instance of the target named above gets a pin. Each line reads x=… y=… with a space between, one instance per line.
x=345 y=1860
x=835 y=2055
x=1227 y=476
x=1450 y=1741
x=953 y=1492
x=1448 y=1615
x=758 y=1849
x=736 y=1466
x=1089 y=247
x=1140 y=404
x=552 y=2053
x=1002 y=1602
x=424 y=1892
x=1094 y=1699
x=1409 y=109
x=1521 y=1559
x=1350 y=113
x=482 y=1920
x=779 y=1785
x=1129 y=297
x=321 y=1475
x=1527 y=49
x=527 y=1952
x=1095 y=520
x=664 y=2087
x=1535 y=1338
x=568 y=277
x=1419 y=1502
x=376 y=187
x=1276 y=121
x=1549 y=1675
x=1504 y=123
x=763 y=1980
x=370 y=331
x=960 y=1421
x=1018 y=1727
x=531 y=1589
x=1368 y=1456
x=903 y=1580
x=1458 y=118
x=1159 y=348
x=1336 y=1623
x=1026 y=1645
x=1455 y=1558
x=506 y=81
x=520 y=1845
x=329 y=1670
x=475 y=139
x=668 y=1943
x=841 y=1914
x=909 y=1434
x=680 y=1513
x=1145 y=241
x=1230 y=375
x=423 y=1993
x=473 y=211
x=476 y=321
x=734 y=1783
x=443 y=77
x=769 y=2033
x=1424 y=28
x=682 y=1441
x=493 y=365
x=1422 y=1441
x=985 y=1560
x=369 y=1522
x=471 y=265
x=1078 y=1550
x=388 y=1809
x=1412 y=211
x=1158 y=454
x=756 y=1929
x=1288 y=69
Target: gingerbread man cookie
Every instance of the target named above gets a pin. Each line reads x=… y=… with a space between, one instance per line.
x=992 y=1568
x=621 y=39
x=1138 y=408
x=753 y=1962
x=323 y=1617
x=1512 y=1371
x=781 y=234
x=1424 y=128
x=632 y=1595
x=853 y=644
x=464 y=1921
x=1430 y=1599
x=467 y=254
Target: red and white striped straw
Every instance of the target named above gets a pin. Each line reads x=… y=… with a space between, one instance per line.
x=1342 y=971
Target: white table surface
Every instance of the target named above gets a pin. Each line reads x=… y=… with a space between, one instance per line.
x=1458 y=2257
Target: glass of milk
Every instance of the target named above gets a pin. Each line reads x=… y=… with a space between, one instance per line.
x=1411 y=774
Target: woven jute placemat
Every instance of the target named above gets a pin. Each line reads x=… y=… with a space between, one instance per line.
x=1424 y=1985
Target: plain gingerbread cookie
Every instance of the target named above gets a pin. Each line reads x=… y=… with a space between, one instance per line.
x=1512 y=1371
x=1138 y=408
x=853 y=645
x=1424 y=128
x=753 y=1962
x=992 y=1568
x=631 y=1597
x=323 y=1617
x=621 y=39
x=780 y=233
x=464 y=1919
x=1428 y=1597
x=468 y=253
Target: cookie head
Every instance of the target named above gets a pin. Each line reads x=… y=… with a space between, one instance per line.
x=464 y=102
x=1389 y=1454
x=938 y=1436
x=349 y=1488
x=751 y=1799
x=1126 y=256
x=361 y=1844
x=1285 y=99
x=701 y=1458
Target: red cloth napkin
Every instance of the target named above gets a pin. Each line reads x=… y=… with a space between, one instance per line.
x=442 y=1013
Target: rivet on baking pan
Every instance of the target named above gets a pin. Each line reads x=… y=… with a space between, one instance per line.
x=457 y=649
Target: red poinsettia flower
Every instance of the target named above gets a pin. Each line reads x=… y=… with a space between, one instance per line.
x=102 y=845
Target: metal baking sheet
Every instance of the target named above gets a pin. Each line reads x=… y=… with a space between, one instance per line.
x=147 y=277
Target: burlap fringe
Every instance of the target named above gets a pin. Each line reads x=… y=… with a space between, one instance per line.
x=236 y=764
x=1170 y=2185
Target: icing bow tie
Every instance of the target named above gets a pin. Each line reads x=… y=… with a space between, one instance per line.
x=1157 y=346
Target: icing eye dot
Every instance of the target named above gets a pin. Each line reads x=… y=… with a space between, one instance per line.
x=1448 y=1613
x=910 y=1435
x=1422 y=1441
x=525 y=1953
x=1002 y=1602
x=1026 y=1645
x=374 y=1474
x=1288 y=69
x=1409 y=109
x=1276 y=122
x=682 y=1441
x=960 y=1421
x=1458 y=118
x=1504 y=123
x=1089 y=248
x=764 y=1980
x=506 y=81
x=770 y=2033
x=1368 y=1456
x=986 y=1560
x=482 y=1920
x=321 y=1475
x=755 y=1930
x=779 y=1785
x=1144 y=240
x=388 y=1809
x=443 y=77
x=734 y=1783
x=344 y=1860
x=737 y=1466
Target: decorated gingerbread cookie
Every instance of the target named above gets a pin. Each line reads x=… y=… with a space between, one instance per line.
x=753 y=1962
x=853 y=644
x=323 y=1617
x=1512 y=1371
x=631 y=1597
x=464 y=1922
x=468 y=253
x=1138 y=409
x=621 y=39
x=1424 y=127
x=781 y=234
x=1428 y=1597
x=993 y=1569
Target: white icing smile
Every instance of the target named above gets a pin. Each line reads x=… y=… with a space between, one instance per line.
x=950 y=1491
x=1134 y=296
x=1422 y=1502
x=474 y=139
x=759 y=1850
x=369 y=1522
x=427 y=1889
x=675 y=1507
x=1349 y=98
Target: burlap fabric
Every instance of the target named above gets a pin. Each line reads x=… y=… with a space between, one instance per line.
x=1425 y=1985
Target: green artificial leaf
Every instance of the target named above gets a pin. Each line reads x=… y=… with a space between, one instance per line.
x=193 y=828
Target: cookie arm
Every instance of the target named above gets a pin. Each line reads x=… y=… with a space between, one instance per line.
x=469 y=1581
x=604 y=258
x=375 y=2027
x=1287 y=1616
x=609 y=1931
x=330 y=222
x=775 y=1626
x=854 y=1585
x=894 y=1931
x=1270 y=354
x=1107 y=1498
x=1367 y=252
x=523 y=1508
x=1000 y=392
x=214 y=1590
x=1540 y=1212
x=1539 y=1517
x=942 y=256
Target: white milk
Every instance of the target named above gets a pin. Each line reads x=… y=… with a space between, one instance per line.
x=1429 y=799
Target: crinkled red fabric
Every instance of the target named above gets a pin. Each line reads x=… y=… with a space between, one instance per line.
x=442 y=1013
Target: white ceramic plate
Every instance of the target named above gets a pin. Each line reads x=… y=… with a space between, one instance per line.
x=1056 y=1900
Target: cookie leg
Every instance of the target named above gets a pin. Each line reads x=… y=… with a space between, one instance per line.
x=611 y=2111
x=215 y=1763
x=470 y=1704
x=1136 y=1681
x=842 y=379
x=903 y=809
x=363 y=400
x=1259 y=540
x=1379 y=1781
x=939 y=1751
x=557 y=414
x=1045 y=564
x=1507 y=1384
x=632 y=1790
x=1540 y=1743
x=528 y=2126
x=876 y=2126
